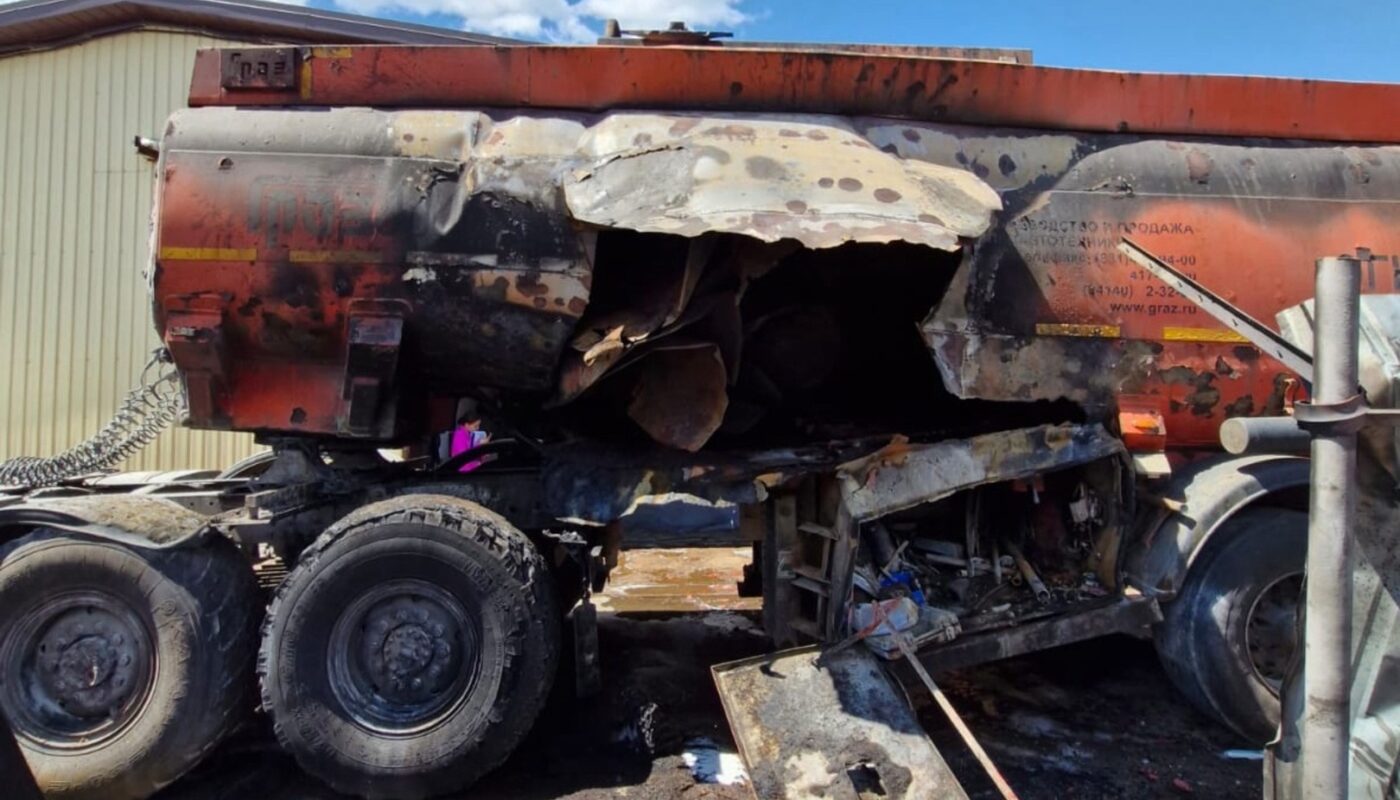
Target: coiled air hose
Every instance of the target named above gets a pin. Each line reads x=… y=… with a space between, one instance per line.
x=143 y=414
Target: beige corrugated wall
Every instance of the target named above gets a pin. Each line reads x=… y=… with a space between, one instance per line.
x=75 y=202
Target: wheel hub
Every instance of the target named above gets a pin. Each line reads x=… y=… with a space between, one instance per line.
x=402 y=654
x=410 y=650
x=76 y=669
x=1271 y=629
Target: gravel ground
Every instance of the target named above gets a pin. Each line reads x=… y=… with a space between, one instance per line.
x=1096 y=720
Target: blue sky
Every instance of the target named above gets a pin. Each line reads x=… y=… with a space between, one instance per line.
x=1336 y=39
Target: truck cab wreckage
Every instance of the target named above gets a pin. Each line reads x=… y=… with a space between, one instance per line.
x=874 y=298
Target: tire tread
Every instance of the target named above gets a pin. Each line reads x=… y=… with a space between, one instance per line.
x=510 y=548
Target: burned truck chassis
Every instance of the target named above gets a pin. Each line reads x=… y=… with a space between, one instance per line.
x=1006 y=535
x=833 y=525
x=1007 y=541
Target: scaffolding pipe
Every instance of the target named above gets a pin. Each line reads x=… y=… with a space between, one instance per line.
x=1326 y=724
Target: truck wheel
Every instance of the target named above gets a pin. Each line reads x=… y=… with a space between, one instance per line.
x=411 y=648
x=120 y=668
x=1227 y=638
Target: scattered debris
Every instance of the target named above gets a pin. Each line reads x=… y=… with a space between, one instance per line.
x=1087 y=689
x=711 y=765
x=639 y=733
x=731 y=622
x=812 y=723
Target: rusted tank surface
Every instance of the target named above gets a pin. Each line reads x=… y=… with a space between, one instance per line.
x=315 y=270
x=1047 y=308
x=351 y=272
x=899 y=85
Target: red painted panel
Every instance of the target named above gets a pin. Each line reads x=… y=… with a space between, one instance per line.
x=698 y=78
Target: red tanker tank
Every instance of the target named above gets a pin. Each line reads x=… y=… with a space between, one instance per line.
x=350 y=272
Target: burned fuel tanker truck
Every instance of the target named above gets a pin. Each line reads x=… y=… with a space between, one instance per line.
x=873 y=297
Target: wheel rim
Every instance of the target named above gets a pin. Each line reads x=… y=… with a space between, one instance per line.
x=1271 y=629
x=403 y=656
x=77 y=669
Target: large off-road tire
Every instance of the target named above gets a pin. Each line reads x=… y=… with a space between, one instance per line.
x=411 y=648
x=1227 y=638
x=120 y=668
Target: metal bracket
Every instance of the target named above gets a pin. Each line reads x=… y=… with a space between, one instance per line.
x=195 y=339
x=588 y=672
x=374 y=337
x=1259 y=334
x=1348 y=416
x=675 y=34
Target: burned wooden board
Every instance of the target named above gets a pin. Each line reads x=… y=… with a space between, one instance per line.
x=834 y=727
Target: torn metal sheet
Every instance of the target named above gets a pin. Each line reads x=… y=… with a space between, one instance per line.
x=649 y=301
x=903 y=475
x=831 y=726
x=1086 y=370
x=815 y=180
x=679 y=398
x=656 y=295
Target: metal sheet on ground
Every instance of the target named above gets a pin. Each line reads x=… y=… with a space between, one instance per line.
x=832 y=726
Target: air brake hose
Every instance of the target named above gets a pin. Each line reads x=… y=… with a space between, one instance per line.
x=143 y=414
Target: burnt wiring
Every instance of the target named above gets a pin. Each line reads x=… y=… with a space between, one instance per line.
x=146 y=410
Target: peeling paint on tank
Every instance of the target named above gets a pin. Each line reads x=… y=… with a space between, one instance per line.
x=1201 y=394
x=1008 y=161
x=756 y=177
x=434 y=134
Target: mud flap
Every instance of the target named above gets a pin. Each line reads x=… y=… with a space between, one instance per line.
x=834 y=726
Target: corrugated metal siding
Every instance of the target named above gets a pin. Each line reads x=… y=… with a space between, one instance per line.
x=75 y=199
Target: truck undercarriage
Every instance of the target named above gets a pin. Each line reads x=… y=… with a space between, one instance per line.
x=1003 y=542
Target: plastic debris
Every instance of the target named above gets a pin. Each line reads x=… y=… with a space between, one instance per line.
x=904 y=579
x=879 y=623
x=710 y=765
x=884 y=617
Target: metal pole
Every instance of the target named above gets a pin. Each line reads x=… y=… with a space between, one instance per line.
x=998 y=780
x=1241 y=435
x=1326 y=725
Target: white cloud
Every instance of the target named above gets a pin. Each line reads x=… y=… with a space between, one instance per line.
x=555 y=20
x=561 y=20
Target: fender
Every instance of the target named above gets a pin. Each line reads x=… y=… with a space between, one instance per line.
x=149 y=523
x=1202 y=496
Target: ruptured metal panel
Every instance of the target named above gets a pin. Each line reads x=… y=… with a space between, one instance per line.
x=829 y=725
x=75 y=200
